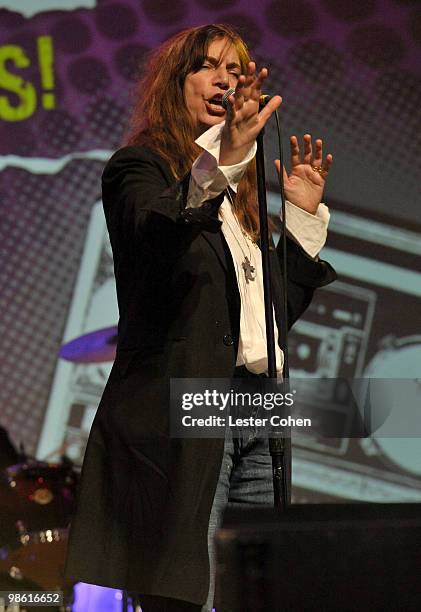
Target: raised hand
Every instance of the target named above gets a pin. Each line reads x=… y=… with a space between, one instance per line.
x=304 y=185
x=243 y=121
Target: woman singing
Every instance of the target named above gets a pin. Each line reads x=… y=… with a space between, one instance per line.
x=181 y=208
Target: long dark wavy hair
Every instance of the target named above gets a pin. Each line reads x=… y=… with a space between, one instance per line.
x=161 y=119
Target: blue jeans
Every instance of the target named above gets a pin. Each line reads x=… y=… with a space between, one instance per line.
x=245 y=480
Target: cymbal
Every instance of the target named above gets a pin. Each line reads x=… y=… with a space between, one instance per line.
x=96 y=347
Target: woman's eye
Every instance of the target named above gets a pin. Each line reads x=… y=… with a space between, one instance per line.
x=207 y=66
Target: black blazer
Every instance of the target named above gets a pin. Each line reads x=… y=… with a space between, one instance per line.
x=145 y=498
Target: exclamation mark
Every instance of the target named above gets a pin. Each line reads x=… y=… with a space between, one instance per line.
x=46 y=59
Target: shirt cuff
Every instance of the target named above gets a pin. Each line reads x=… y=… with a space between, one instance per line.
x=310 y=231
x=208 y=179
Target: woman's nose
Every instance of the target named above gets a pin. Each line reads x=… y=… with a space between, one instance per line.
x=222 y=78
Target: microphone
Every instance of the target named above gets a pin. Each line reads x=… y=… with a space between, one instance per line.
x=263 y=100
x=225 y=97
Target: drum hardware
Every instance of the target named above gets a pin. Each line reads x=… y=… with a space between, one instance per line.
x=36 y=504
x=15 y=573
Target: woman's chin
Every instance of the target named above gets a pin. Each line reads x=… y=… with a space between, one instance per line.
x=211 y=120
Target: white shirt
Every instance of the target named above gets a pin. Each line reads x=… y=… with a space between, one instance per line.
x=209 y=179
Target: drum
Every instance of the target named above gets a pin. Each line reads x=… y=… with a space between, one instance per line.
x=36 y=504
x=400 y=361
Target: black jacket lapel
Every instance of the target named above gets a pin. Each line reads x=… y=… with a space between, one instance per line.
x=215 y=240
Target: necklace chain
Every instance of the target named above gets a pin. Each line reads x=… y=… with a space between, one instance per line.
x=249 y=270
x=245 y=234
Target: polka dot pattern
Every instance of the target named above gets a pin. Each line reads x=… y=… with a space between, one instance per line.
x=24 y=137
x=89 y=75
x=394 y=85
x=375 y=45
x=415 y=21
x=216 y=4
x=129 y=60
x=326 y=63
x=60 y=131
x=39 y=274
x=71 y=35
x=107 y=121
x=10 y=19
x=291 y=17
x=350 y=11
x=116 y=21
x=164 y=12
x=27 y=40
x=247 y=27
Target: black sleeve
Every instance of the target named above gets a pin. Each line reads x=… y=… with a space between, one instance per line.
x=304 y=275
x=140 y=195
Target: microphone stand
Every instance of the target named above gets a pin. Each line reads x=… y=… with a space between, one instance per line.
x=276 y=436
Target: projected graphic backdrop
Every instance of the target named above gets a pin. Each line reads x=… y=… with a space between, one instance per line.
x=348 y=72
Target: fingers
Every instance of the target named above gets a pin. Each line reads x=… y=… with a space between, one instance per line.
x=239 y=95
x=242 y=91
x=327 y=163
x=311 y=156
x=249 y=86
x=317 y=161
x=308 y=149
x=307 y=156
x=318 y=153
x=256 y=89
x=295 y=151
x=277 y=163
x=244 y=104
x=270 y=107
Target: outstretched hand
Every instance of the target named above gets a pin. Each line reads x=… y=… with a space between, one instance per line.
x=304 y=185
x=243 y=121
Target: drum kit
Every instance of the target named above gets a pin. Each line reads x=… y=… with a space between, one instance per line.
x=36 y=504
x=37 y=500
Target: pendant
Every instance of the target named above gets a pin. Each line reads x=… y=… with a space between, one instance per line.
x=249 y=270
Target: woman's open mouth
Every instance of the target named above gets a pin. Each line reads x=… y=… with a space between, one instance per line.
x=214 y=106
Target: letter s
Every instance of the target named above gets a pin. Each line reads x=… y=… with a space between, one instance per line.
x=14 y=83
x=289 y=399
